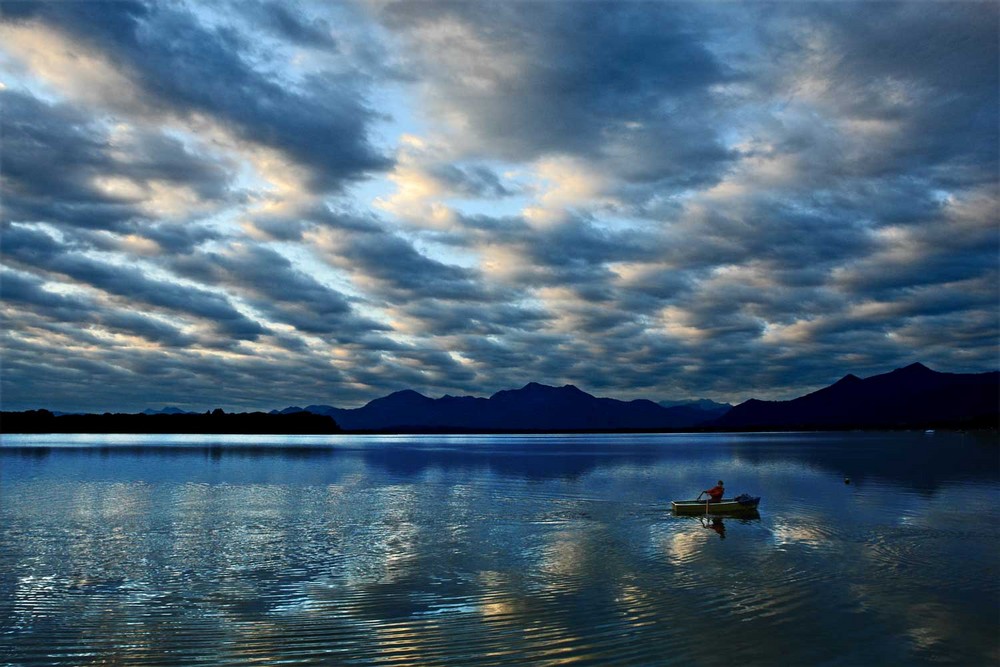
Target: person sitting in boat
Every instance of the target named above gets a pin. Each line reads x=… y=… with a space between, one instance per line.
x=715 y=493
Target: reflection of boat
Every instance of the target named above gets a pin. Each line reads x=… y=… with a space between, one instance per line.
x=740 y=505
x=715 y=523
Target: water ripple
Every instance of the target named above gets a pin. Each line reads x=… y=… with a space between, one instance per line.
x=329 y=560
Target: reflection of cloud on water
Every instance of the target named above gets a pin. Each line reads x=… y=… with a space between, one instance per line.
x=498 y=603
x=682 y=548
x=931 y=625
x=111 y=503
x=380 y=551
x=950 y=507
x=807 y=531
x=35 y=598
x=403 y=643
x=957 y=628
x=564 y=555
x=495 y=610
x=913 y=545
x=638 y=605
x=470 y=558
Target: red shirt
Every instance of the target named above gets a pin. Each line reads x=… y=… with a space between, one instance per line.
x=716 y=492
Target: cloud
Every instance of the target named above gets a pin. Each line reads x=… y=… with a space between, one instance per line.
x=268 y=282
x=632 y=90
x=34 y=250
x=301 y=203
x=526 y=81
x=182 y=67
x=297 y=28
x=61 y=165
x=916 y=83
x=386 y=265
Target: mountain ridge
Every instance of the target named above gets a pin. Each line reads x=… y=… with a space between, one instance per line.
x=913 y=396
x=533 y=407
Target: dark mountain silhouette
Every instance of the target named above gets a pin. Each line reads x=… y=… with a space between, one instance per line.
x=168 y=410
x=910 y=397
x=534 y=407
x=711 y=409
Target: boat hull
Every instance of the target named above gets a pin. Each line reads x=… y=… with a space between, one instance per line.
x=724 y=506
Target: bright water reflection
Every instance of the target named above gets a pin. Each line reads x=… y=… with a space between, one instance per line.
x=493 y=550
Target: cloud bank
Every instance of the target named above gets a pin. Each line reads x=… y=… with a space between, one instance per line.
x=252 y=205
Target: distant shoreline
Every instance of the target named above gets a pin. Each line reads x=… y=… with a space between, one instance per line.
x=307 y=423
x=209 y=423
x=906 y=399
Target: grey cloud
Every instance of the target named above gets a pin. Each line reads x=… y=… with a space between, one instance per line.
x=626 y=83
x=190 y=69
x=580 y=241
x=51 y=152
x=945 y=250
x=279 y=228
x=575 y=253
x=296 y=28
x=409 y=367
x=274 y=287
x=72 y=313
x=145 y=327
x=929 y=68
x=178 y=238
x=54 y=153
x=17 y=288
x=42 y=375
x=36 y=250
x=403 y=273
x=292 y=227
x=444 y=318
x=175 y=238
x=785 y=235
x=852 y=141
x=471 y=181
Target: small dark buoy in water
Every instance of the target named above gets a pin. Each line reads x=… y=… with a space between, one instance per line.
x=847 y=480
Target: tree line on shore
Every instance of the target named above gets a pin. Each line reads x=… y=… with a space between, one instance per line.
x=216 y=421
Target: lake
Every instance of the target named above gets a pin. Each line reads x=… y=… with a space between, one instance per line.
x=460 y=550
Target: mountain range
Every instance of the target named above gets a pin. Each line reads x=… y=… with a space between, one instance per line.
x=910 y=397
x=534 y=407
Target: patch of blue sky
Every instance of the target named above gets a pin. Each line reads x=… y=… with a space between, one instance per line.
x=613 y=222
x=365 y=193
x=443 y=252
x=305 y=260
x=498 y=207
x=226 y=222
x=14 y=79
x=396 y=116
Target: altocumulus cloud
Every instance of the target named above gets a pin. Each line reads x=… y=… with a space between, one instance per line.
x=258 y=204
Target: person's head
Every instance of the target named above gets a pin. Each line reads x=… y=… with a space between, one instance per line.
x=720 y=483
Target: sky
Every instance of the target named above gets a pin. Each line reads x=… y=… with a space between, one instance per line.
x=257 y=204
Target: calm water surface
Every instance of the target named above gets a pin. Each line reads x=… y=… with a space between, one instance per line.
x=498 y=550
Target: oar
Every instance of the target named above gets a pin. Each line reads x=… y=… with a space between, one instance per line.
x=706 y=501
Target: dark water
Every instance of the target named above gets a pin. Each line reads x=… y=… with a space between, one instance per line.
x=498 y=550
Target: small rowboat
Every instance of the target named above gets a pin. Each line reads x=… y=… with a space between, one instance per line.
x=739 y=505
